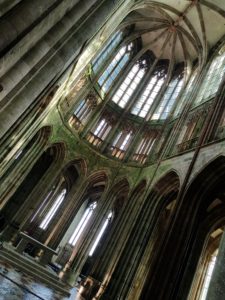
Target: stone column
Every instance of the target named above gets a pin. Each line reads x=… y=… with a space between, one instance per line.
x=58 y=57
x=216 y=289
x=22 y=216
x=115 y=243
x=17 y=172
x=123 y=272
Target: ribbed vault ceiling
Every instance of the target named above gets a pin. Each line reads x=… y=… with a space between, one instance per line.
x=180 y=29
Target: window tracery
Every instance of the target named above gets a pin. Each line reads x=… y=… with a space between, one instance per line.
x=130 y=83
x=111 y=72
x=186 y=93
x=111 y=44
x=212 y=79
x=143 y=105
x=169 y=98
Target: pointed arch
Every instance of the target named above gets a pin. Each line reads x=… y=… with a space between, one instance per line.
x=167 y=183
x=205 y=182
x=79 y=164
x=121 y=186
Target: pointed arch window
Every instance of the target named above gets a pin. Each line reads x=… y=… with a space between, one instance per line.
x=111 y=44
x=109 y=75
x=143 y=105
x=103 y=229
x=186 y=93
x=212 y=79
x=82 y=224
x=52 y=211
x=129 y=85
x=169 y=98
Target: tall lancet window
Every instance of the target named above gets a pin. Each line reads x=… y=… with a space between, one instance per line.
x=111 y=44
x=130 y=83
x=143 y=105
x=186 y=94
x=52 y=210
x=82 y=224
x=169 y=98
x=212 y=80
x=102 y=231
x=114 y=68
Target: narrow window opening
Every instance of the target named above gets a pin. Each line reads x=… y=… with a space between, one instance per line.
x=82 y=224
x=100 y=234
x=129 y=85
x=44 y=224
x=208 y=276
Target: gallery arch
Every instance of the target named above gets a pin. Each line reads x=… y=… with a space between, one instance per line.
x=202 y=202
x=20 y=202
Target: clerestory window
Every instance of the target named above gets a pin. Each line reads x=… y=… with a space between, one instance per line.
x=129 y=85
x=168 y=100
x=185 y=95
x=143 y=105
x=84 y=109
x=121 y=144
x=212 y=79
x=122 y=140
x=109 y=75
x=111 y=44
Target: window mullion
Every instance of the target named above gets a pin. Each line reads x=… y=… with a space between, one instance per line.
x=116 y=65
x=134 y=75
x=148 y=97
x=103 y=130
x=98 y=58
x=169 y=99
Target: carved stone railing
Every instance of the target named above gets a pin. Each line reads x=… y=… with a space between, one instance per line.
x=187 y=145
x=220 y=133
x=47 y=252
x=75 y=122
x=117 y=152
x=94 y=139
x=140 y=158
